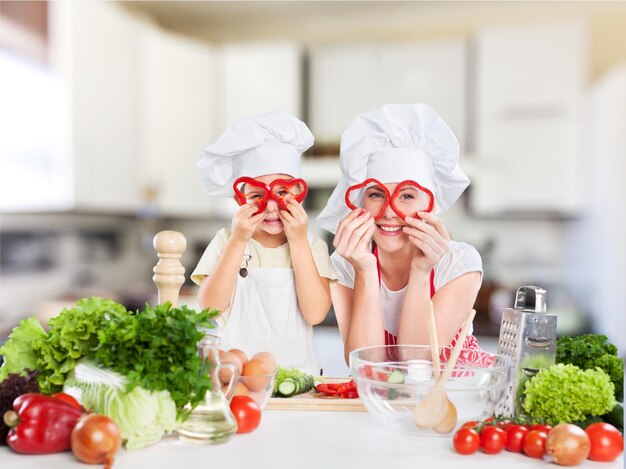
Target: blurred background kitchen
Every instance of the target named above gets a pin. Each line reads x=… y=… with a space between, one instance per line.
x=105 y=105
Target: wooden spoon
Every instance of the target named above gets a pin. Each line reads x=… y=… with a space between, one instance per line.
x=434 y=342
x=436 y=411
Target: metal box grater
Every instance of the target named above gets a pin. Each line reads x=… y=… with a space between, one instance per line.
x=528 y=337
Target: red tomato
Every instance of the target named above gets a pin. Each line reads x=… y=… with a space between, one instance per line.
x=534 y=444
x=492 y=440
x=247 y=412
x=61 y=396
x=466 y=440
x=470 y=424
x=607 y=443
x=515 y=438
x=541 y=427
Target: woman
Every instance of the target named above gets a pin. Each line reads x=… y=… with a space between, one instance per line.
x=393 y=254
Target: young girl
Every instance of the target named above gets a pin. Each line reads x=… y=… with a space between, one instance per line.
x=393 y=254
x=267 y=274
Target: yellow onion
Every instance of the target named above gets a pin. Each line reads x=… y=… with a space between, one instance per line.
x=96 y=439
x=568 y=445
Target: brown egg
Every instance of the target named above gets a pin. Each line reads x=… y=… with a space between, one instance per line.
x=242 y=356
x=255 y=375
x=241 y=390
x=267 y=358
x=233 y=358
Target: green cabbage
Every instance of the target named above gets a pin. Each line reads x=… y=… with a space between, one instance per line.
x=566 y=394
x=142 y=416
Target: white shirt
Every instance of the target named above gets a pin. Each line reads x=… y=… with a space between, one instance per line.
x=461 y=259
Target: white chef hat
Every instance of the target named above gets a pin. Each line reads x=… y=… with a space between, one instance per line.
x=268 y=144
x=394 y=143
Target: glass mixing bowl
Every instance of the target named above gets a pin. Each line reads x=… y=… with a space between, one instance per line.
x=392 y=379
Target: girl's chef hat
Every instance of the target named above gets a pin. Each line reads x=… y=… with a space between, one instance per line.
x=394 y=143
x=268 y=144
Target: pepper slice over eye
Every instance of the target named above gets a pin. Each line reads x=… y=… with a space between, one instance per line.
x=259 y=194
x=408 y=198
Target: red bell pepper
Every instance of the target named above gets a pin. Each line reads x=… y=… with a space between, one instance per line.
x=346 y=390
x=40 y=424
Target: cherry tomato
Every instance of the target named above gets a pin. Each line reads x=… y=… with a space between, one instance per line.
x=534 y=444
x=541 y=427
x=515 y=438
x=61 y=396
x=607 y=443
x=466 y=440
x=247 y=412
x=470 y=424
x=492 y=440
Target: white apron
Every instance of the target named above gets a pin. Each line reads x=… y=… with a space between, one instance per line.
x=265 y=316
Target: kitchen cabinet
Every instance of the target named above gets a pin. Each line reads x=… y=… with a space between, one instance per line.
x=313 y=439
x=347 y=80
x=93 y=50
x=529 y=121
x=256 y=78
x=178 y=118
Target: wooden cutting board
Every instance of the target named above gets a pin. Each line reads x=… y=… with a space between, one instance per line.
x=314 y=400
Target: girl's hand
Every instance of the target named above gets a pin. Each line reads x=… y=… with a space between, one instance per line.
x=352 y=239
x=245 y=222
x=431 y=238
x=295 y=220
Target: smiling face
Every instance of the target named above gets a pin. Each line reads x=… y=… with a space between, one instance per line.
x=271 y=224
x=409 y=200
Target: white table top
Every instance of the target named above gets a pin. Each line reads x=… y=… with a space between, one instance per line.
x=302 y=439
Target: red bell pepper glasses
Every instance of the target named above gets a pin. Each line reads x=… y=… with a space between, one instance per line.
x=259 y=194
x=407 y=199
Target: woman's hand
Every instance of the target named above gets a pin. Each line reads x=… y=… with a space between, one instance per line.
x=352 y=239
x=295 y=220
x=431 y=238
x=245 y=222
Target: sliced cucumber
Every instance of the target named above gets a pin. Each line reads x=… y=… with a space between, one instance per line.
x=288 y=387
x=395 y=377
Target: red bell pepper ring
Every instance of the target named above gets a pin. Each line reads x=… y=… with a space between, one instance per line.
x=40 y=424
x=268 y=191
x=391 y=199
x=398 y=190
x=347 y=390
x=356 y=187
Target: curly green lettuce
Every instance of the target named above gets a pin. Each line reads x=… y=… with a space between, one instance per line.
x=73 y=334
x=565 y=393
x=17 y=352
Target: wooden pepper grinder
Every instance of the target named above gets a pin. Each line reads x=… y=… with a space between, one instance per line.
x=169 y=273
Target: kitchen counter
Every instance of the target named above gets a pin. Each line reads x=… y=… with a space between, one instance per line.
x=306 y=440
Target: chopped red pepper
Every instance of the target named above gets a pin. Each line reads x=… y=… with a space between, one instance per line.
x=346 y=390
x=40 y=424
